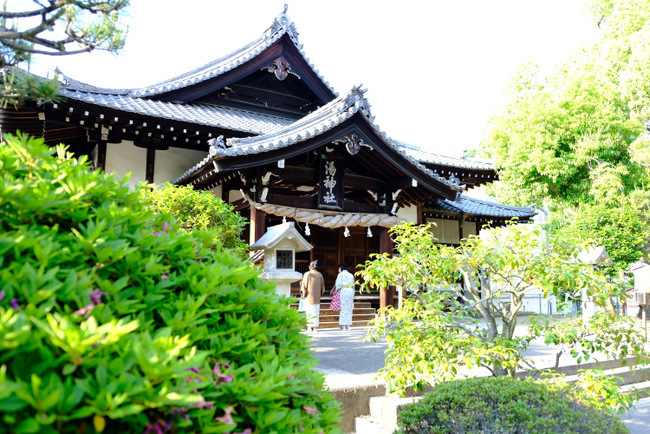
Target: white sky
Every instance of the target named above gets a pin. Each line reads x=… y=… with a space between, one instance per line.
x=435 y=70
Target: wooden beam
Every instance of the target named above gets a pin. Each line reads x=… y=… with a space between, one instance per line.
x=257 y=225
x=386 y=295
x=101 y=156
x=150 y=168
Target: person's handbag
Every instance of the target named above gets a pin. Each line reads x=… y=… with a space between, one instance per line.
x=335 y=304
x=301 y=305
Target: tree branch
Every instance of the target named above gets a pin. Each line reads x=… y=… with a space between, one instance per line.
x=50 y=53
x=25 y=14
x=46 y=24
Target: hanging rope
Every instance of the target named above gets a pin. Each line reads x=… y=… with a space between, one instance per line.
x=327 y=219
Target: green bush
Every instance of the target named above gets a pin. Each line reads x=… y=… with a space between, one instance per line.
x=506 y=405
x=112 y=320
x=198 y=210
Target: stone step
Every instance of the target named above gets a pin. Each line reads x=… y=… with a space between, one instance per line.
x=326 y=306
x=335 y=324
x=355 y=320
x=383 y=415
x=355 y=310
x=329 y=319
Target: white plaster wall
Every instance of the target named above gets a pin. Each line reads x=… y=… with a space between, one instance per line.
x=469 y=228
x=125 y=157
x=217 y=191
x=173 y=162
x=445 y=231
x=409 y=214
x=234 y=195
x=642 y=278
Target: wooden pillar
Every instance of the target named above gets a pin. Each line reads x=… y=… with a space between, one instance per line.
x=257 y=225
x=101 y=156
x=151 y=160
x=386 y=295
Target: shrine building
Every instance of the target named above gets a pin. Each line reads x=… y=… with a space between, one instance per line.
x=263 y=130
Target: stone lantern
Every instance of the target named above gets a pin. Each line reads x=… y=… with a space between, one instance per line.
x=280 y=244
x=596 y=256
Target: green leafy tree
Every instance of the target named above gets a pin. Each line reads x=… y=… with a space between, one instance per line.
x=462 y=303
x=198 y=210
x=622 y=230
x=112 y=320
x=575 y=140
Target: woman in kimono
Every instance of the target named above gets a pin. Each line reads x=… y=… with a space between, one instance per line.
x=345 y=284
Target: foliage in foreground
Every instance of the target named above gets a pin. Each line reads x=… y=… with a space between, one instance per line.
x=198 y=210
x=504 y=404
x=442 y=328
x=112 y=320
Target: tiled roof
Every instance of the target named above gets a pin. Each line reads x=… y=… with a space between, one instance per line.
x=70 y=84
x=312 y=125
x=469 y=205
x=281 y=25
x=443 y=160
x=193 y=113
x=277 y=233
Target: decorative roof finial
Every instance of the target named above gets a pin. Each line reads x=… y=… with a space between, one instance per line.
x=286 y=6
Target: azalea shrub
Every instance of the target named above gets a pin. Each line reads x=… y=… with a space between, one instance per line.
x=113 y=320
x=505 y=404
x=198 y=210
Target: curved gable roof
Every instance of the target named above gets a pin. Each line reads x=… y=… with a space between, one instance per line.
x=312 y=126
x=469 y=205
x=282 y=28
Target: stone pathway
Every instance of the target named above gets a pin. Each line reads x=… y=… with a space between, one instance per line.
x=347 y=361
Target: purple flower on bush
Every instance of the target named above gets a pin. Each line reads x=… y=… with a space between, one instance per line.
x=204 y=404
x=2 y=295
x=159 y=427
x=182 y=411
x=85 y=310
x=226 y=418
x=310 y=410
x=164 y=276
x=222 y=378
x=96 y=296
x=194 y=371
x=164 y=231
x=14 y=303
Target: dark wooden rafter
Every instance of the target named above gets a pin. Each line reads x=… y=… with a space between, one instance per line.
x=475 y=218
x=310 y=202
x=150 y=165
x=260 y=96
x=74 y=120
x=101 y=156
x=469 y=177
x=309 y=176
